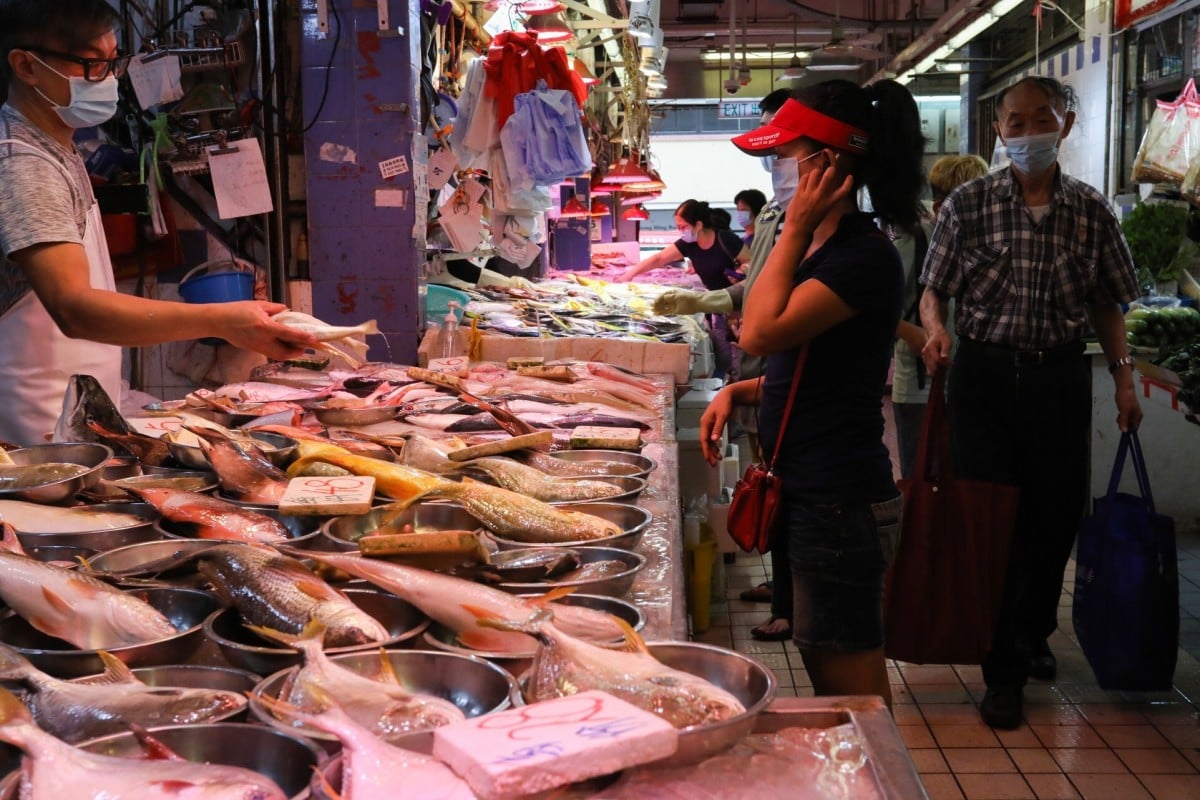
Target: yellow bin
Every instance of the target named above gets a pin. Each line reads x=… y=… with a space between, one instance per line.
x=701 y=556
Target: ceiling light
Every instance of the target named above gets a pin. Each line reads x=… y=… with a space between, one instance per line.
x=636 y=213
x=634 y=199
x=551 y=29
x=599 y=209
x=626 y=170
x=795 y=70
x=589 y=78
x=533 y=7
x=951 y=66
x=644 y=20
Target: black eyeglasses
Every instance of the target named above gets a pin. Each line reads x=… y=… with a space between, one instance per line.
x=94 y=69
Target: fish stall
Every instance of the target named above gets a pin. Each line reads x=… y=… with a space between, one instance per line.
x=343 y=581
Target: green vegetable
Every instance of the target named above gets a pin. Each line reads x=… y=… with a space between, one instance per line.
x=1154 y=232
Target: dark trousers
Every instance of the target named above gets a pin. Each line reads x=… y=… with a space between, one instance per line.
x=1026 y=426
x=718 y=326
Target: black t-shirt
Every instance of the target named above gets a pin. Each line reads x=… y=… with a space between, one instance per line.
x=710 y=264
x=833 y=449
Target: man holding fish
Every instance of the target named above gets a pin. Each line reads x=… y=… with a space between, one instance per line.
x=60 y=313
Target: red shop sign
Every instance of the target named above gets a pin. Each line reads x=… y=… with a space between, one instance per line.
x=1128 y=12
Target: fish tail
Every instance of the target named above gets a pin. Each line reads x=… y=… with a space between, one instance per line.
x=557 y=593
x=386 y=669
x=115 y=670
x=329 y=791
x=281 y=708
x=14 y=666
x=533 y=625
x=634 y=642
x=152 y=748
x=10 y=543
x=12 y=710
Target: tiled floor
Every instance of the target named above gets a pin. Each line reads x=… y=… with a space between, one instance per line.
x=1077 y=742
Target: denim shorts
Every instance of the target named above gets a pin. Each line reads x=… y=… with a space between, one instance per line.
x=838 y=555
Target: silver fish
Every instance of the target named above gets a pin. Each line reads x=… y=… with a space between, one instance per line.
x=75 y=607
x=377 y=703
x=531 y=482
x=55 y=770
x=84 y=400
x=561 y=468
x=77 y=710
x=275 y=591
x=565 y=665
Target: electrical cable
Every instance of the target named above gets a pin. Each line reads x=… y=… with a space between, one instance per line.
x=332 y=53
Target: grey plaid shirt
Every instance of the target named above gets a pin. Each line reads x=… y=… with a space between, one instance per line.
x=1021 y=284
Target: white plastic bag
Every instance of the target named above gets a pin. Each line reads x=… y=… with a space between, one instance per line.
x=1172 y=140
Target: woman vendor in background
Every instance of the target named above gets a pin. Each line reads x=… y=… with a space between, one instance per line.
x=714 y=252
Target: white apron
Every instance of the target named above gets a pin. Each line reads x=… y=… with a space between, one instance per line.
x=37 y=359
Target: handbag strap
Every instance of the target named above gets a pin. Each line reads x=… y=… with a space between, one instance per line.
x=1130 y=445
x=801 y=357
x=933 y=447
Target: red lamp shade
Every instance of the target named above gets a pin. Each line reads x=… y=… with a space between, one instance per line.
x=533 y=7
x=599 y=209
x=626 y=170
x=635 y=213
x=551 y=29
x=575 y=208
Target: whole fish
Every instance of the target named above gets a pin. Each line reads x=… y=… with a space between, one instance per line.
x=245 y=473
x=373 y=769
x=394 y=480
x=517 y=517
x=595 y=420
x=25 y=476
x=78 y=710
x=593 y=571
x=562 y=468
x=75 y=607
x=610 y=372
x=517 y=477
x=379 y=703
x=348 y=342
x=84 y=400
x=37 y=518
x=443 y=597
x=565 y=665
x=423 y=453
x=149 y=450
x=275 y=591
x=212 y=517
x=55 y=770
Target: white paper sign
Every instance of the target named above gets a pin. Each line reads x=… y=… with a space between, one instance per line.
x=240 y=180
x=462 y=219
x=441 y=167
x=155 y=426
x=393 y=166
x=391 y=198
x=347 y=494
x=156 y=81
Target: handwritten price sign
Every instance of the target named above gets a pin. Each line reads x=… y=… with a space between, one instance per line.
x=348 y=494
x=155 y=426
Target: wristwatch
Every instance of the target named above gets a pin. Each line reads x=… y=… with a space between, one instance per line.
x=1123 y=361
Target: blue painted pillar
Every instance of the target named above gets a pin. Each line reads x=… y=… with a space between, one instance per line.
x=363 y=260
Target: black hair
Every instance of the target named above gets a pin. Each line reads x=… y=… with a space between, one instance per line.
x=721 y=219
x=694 y=211
x=892 y=170
x=68 y=25
x=774 y=101
x=753 y=198
x=1056 y=91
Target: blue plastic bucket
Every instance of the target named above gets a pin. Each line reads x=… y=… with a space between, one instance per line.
x=203 y=286
x=437 y=302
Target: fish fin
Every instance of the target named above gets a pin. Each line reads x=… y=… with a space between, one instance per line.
x=85 y=563
x=557 y=593
x=14 y=666
x=386 y=669
x=634 y=642
x=369 y=327
x=315 y=629
x=115 y=670
x=12 y=710
x=56 y=602
x=279 y=707
x=10 y=543
x=152 y=748
x=478 y=640
x=487 y=619
x=313 y=588
x=329 y=791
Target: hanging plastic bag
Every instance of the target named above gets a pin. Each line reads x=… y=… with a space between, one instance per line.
x=1172 y=140
x=544 y=141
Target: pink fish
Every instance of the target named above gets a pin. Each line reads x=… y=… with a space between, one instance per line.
x=213 y=518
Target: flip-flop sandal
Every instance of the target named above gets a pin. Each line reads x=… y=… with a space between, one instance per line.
x=759 y=594
x=760 y=633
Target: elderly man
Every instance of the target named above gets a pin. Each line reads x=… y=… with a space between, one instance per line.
x=1031 y=256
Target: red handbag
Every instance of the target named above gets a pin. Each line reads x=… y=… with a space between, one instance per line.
x=755 y=502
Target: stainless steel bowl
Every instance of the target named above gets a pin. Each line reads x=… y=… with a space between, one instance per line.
x=90 y=455
x=344 y=532
x=200 y=481
x=746 y=679
x=119 y=467
x=280 y=450
x=185 y=608
x=644 y=464
x=106 y=538
x=613 y=586
x=352 y=416
x=631 y=488
x=287 y=759
x=146 y=558
x=246 y=650
x=632 y=520
x=301 y=530
x=180 y=676
x=476 y=686
x=60 y=553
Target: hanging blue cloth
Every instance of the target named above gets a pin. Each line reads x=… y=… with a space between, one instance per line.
x=544 y=141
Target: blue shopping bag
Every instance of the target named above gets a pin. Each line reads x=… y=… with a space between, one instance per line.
x=1126 y=610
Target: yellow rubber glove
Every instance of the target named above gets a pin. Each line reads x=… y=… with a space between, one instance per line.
x=681 y=301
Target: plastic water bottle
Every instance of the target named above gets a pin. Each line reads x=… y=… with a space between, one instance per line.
x=449 y=336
